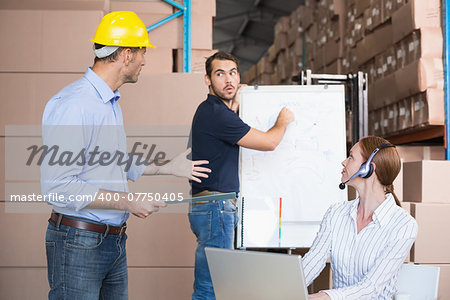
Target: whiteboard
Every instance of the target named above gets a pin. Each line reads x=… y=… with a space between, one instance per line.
x=304 y=170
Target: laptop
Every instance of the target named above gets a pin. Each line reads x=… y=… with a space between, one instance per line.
x=252 y=275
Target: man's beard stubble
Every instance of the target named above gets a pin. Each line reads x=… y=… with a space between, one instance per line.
x=221 y=95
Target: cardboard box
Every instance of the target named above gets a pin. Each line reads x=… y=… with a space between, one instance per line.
x=2 y=168
x=335 y=67
x=372 y=121
x=418 y=153
x=391 y=60
x=337 y=7
x=140 y=7
x=372 y=16
x=361 y=6
x=382 y=92
x=198 y=59
x=158 y=60
x=333 y=32
x=29 y=249
x=264 y=66
x=272 y=51
x=424 y=43
x=357 y=31
x=298 y=46
x=374 y=43
x=428 y=108
x=384 y=122
x=282 y=25
x=31 y=283
x=264 y=79
x=294 y=33
x=419 y=76
x=274 y=78
x=70 y=52
x=433 y=239
x=244 y=78
x=25 y=106
x=426 y=181
x=380 y=66
x=160 y=283
x=391 y=113
x=414 y=15
x=252 y=73
x=319 y=58
x=377 y=122
x=24 y=283
x=306 y=16
x=150 y=236
x=399 y=3
x=388 y=9
x=332 y=51
x=401 y=48
x=170 y=35
x=163 y=99
x=282 y=65
x=55 y=5
x=144 y=236
x=201 y=7
x=415 y=153
x=280 y=42
x=404 y=114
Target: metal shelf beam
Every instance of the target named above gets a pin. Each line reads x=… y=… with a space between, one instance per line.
x=185 y=11
x=446 y=29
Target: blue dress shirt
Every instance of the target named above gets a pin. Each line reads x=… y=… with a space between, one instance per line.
x=84 y=120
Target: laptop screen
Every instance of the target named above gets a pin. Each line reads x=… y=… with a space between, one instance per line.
x=238 y=274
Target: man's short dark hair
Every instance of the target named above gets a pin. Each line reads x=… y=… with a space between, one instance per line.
x=221 y=55
x=113 y=57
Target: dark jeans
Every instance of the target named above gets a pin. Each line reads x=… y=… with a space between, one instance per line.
x=86 y=265
x=213 y=224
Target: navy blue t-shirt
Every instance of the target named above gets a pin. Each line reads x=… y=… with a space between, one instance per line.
x=215 y=131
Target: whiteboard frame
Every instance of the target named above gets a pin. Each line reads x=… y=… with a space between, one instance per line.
x=308 y=229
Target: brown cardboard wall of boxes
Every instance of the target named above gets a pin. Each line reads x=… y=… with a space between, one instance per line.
x=399 y=44
x=51 y=48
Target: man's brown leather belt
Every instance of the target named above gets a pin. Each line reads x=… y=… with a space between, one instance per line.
x=88 y=226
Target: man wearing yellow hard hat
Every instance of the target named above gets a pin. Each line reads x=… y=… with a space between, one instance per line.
x=85 y=238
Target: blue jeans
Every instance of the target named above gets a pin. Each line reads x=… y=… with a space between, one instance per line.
x=85 y=265
x=213 y=224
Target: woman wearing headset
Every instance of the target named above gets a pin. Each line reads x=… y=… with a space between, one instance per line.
x=367 y=239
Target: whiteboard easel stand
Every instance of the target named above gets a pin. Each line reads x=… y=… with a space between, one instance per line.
x=356 y=87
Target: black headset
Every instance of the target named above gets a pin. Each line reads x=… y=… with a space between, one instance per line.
x=366 y=169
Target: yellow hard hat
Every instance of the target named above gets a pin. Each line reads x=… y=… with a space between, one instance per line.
x=122 y=29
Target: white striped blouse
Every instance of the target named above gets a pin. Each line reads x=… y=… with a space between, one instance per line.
x=365 y=265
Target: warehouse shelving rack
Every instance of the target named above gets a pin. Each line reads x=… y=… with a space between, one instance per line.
x=355 y=96
x=185 y=11
x=446 y=29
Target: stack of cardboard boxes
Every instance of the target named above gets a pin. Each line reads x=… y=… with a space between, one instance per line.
x=47 y=46
x=423 y=189
x=312 y=35
x=398 y=43
x=405 y=75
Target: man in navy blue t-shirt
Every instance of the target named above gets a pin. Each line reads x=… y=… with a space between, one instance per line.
x=217 y=132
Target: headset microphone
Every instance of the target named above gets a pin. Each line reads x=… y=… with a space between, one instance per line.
x=360 y=172
x=366 y=169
